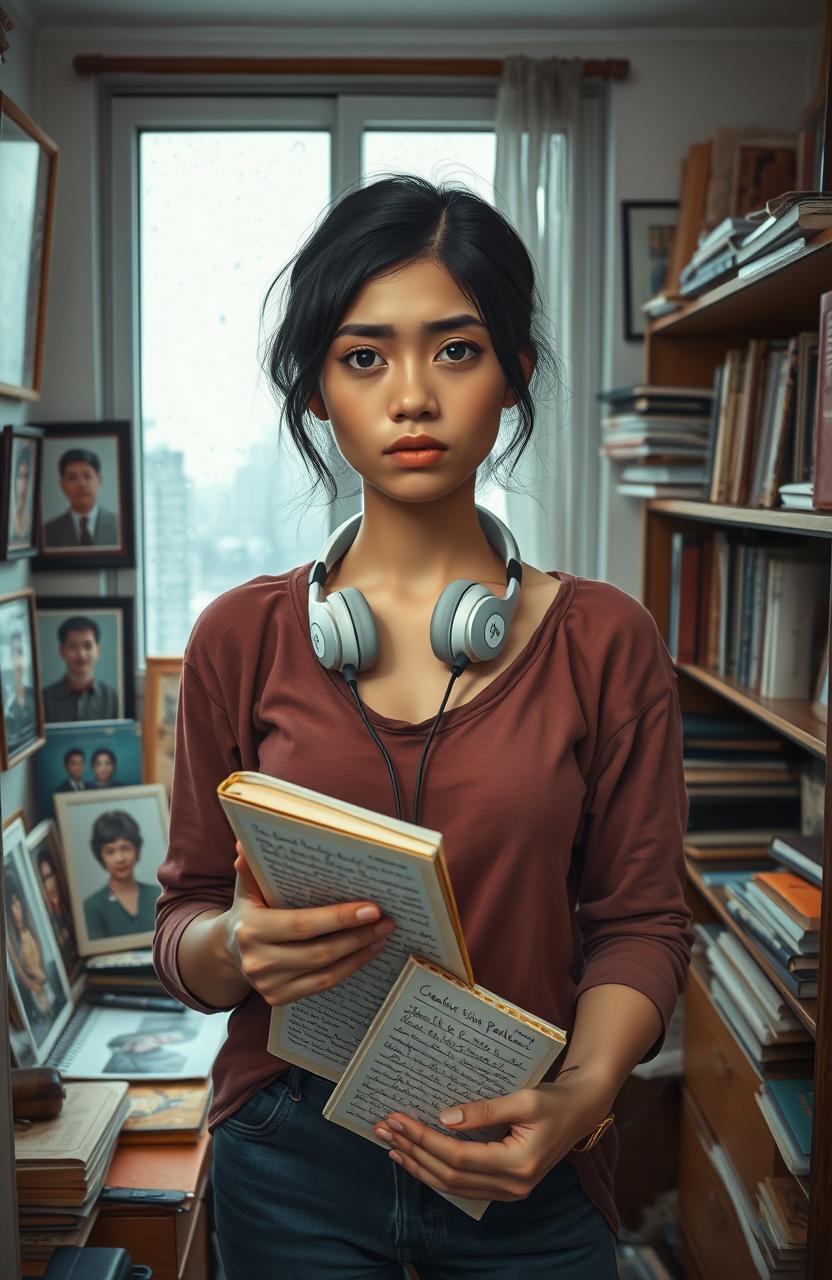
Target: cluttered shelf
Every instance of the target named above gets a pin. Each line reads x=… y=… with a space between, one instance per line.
x=805 y=1009
x=790 y=716
x=815 y=523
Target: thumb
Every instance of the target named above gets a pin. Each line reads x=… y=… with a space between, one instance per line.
x=246 y=886
x=513 y=1108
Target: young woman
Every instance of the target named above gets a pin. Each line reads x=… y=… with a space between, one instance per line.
x=124 y=904
x=554 y=773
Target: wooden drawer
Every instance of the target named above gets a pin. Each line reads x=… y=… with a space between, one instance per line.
x=711 y=1229
x=723 y=1083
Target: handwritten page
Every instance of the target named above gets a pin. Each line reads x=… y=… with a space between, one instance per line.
x=434 y=1045
x=303 y=866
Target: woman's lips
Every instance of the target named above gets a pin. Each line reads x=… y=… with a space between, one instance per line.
x=416 y=457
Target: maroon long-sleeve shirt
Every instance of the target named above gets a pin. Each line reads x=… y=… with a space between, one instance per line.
x=559 y=791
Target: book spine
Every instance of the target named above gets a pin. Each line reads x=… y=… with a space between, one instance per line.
x=822 y=482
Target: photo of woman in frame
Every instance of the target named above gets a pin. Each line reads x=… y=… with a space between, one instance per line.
x=45 y=857
x=18 y=506
x=22 y=701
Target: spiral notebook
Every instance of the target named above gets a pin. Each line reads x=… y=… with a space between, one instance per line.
x=134 y=1044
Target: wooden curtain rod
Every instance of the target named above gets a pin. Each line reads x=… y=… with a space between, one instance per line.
x=96 y=64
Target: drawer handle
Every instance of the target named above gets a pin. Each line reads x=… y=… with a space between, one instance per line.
x=718 y=1213
x=721 y=1065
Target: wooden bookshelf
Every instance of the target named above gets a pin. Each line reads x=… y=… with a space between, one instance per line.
x=684 y=349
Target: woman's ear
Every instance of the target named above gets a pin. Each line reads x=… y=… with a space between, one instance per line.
x=527 y=363
x=317 y=406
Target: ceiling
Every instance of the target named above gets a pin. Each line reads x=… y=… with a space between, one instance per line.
x=557 y=14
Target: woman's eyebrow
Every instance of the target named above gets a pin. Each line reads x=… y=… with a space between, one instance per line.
x=358 y=330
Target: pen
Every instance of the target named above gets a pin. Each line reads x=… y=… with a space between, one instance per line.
x=157 y=1004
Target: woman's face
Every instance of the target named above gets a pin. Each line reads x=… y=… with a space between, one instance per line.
x=103 y=768
x=22 y=482
x=119 y=857
x=17 y=911
x=448 y=385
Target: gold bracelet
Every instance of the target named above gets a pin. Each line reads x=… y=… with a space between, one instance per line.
x=596 y=1133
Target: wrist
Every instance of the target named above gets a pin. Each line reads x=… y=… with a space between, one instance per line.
x=595 y=1088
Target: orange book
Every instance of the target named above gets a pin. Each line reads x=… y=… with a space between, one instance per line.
x=792 y=894
x=166 y=1166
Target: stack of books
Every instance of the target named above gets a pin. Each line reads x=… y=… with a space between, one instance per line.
x=60 y=1165
x=127 y=972
x=787 y=1106
x=781 y=912
x=665 y=432
x=787 y=227
x=715 y=257
x=746 y=609
x=737 y=772
x=783 y=1215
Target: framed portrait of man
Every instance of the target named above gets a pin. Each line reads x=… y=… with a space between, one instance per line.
x=114 y=841
x=18 y=498
x=161 y=699
x=22 y=721
x=86 y=652
x=37 y=977
x=86 y=496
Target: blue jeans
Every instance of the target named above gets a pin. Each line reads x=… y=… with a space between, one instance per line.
x=299 y=1198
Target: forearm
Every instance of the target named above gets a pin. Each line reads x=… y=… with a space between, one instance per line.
x=205 y=964
x=614 y=1027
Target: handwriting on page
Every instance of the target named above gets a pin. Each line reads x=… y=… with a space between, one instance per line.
x=308 y=870
x=439 y=1047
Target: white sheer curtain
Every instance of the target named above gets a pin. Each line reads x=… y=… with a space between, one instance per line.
x=538 y=181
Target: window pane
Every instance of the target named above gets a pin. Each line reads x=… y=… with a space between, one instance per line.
x=465 y=158
x=220 y=214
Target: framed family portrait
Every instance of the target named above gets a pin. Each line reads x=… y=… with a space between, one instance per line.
x=22 y=729
x=87 y=757
x=113 y=844
x=18 y=498
x=648 y=228
x=86 y=651
x=28 y=163
x=37 y=978
x=161 y=699
x=86 y=496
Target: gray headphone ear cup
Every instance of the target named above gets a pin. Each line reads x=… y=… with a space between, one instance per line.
x=365 y=637
x=442 y=618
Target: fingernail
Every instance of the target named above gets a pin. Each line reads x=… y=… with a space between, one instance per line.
x=378 y=946
x=367 y=913
x=385 y=927
x=453 y=1116
x=394 y=1155
x=396 y=1124
x=381 y=1132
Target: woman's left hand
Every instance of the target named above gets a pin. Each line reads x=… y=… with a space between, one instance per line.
x=545 y=1123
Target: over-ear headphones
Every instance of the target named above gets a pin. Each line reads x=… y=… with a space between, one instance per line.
x=468 y=620
x=469 y=623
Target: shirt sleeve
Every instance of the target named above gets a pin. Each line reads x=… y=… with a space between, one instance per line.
x=634 y=922
x=197 y=873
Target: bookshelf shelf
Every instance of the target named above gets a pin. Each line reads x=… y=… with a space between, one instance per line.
x=789 y=716
x=813 y=523
x=805 y=1010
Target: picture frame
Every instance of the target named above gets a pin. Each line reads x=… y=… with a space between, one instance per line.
x=37 y=978
x=20 y=487
x=68 y=662
x=85 y=508
x=764 y=167
x=105 y=837
x=161 y=699
x=29 y=163
x=22 y=725
x=648 y=228
x=46 y=856
x=71 y=759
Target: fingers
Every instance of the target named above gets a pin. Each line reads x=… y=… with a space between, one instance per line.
x=313 y=983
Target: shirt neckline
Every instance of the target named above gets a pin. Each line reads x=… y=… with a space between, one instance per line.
x=495 y=689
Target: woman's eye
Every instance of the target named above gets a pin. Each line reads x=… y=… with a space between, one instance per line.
x=456 y=349
x=460 y=346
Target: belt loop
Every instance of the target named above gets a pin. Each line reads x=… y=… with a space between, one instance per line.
x=294 y=1083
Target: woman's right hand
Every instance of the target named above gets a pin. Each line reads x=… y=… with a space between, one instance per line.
x=287 y=953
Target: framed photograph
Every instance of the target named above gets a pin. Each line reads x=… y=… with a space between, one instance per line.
x=161 y=699
x=763 y=168
x=648 y=228
x=18 y=499
x=86 y=496
x=28 y=163
x=87 y=757
x=86 y=653
x=113 y=844
x=22 y=720
x=46 y=857
x=36 y=973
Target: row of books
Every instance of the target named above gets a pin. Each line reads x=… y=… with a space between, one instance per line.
x=746 y=609
x=663 y=432
x=764 y=423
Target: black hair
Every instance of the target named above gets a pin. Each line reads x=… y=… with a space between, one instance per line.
x=388 y=224
x=114 y=825
x=78 y=622
x=73 y=751
x=46 y=856
x=104 y=751
x=79 y=455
